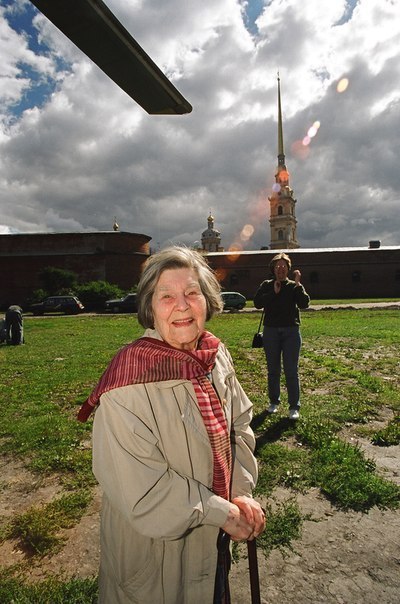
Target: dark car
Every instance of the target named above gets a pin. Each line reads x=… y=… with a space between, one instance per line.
x=233 y=300
x=69 y=305
x=127 y=304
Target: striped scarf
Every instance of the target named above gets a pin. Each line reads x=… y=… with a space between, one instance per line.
x=151 y=360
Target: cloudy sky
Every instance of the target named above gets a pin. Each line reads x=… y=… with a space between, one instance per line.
x=75 y=150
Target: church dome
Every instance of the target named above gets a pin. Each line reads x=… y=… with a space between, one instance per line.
x=211 y=237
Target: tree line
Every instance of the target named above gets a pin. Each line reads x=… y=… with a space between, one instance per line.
x=60 y=282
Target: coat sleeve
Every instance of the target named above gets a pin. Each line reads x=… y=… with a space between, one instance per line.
x=301 y=297
x=245 y=468
x=128 y=464
x=264 y=295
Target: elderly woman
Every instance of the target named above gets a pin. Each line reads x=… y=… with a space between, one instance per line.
x=281 y=298
x=172 y=446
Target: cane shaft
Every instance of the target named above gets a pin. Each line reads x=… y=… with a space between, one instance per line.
x=253 y=569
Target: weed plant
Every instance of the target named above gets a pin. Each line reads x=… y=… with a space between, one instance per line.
x=39 y=529
x=390 y=435
x=283 y=527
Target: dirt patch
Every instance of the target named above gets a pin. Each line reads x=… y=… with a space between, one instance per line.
x=342 y=557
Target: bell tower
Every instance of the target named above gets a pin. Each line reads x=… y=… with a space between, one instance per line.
x=211 y=237
x=282 y=219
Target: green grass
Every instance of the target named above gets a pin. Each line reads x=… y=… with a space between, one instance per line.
x=349 y=375
x=15 y=590
x=344 y=301
x=45 y=381
x=350 y=301
x=349 y=480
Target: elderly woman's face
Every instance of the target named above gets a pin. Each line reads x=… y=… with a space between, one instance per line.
x=179 y=308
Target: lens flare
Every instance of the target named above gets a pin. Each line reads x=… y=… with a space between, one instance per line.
x=299 y=150
x=312 y=131
x=221 y=274
x=235 y=250
x=276 y=187
x=247 y=232
x=342 y=85
x=306 y=141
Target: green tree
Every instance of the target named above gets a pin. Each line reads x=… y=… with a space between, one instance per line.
x=94 y=294
x=57 y=281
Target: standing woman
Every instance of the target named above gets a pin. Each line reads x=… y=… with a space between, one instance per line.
x=281 y=299
x=172 y=446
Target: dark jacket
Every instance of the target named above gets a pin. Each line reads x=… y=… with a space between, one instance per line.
x=281 y=310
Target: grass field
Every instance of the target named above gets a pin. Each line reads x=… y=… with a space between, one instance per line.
x=349 y=371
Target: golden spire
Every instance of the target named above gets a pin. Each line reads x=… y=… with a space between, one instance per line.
x=281 y=153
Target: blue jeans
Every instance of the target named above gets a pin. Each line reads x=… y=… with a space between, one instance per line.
x=283 y=344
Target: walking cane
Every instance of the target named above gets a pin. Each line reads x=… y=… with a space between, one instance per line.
x=253 y=569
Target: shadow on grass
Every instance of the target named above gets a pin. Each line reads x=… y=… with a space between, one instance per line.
x=273 y=432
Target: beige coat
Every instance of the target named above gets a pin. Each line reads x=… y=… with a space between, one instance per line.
x=153 y=459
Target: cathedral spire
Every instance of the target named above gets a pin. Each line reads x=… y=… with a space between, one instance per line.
x=281 y=153
x=282 y=203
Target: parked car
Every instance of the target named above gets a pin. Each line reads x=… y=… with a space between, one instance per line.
x=69 y=305
x=127 y=304
x=233 y=300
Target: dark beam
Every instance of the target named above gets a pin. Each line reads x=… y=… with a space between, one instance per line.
x=93 y=28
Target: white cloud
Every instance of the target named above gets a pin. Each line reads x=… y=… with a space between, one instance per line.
x=89 y=153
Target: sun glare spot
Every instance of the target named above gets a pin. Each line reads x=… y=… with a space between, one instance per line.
x=342 y=85
x=306 y=141
x=312 y=131
x=299 y=150
x=235 y=250
x=221 y=273
x=247 y=232
x=276 y=187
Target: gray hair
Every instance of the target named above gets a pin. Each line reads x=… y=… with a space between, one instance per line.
x=170 y=258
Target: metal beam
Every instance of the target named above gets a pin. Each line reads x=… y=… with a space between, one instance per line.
x=93 y=28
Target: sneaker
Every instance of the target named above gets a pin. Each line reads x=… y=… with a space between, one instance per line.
x=294 y=414
x=272 y=409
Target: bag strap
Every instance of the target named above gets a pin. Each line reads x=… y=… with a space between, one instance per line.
x=261 y=320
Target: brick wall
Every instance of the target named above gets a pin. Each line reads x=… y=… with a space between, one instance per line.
x=111 y=256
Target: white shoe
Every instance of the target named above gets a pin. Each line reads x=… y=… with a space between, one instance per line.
x=272 y=409
x=294 y=414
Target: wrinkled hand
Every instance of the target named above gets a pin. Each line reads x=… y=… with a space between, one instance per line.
x=236 y=525
x=253 y=513
x=297 y=276
x=246 y=519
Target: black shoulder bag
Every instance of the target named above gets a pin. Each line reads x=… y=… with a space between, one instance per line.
x=258 y=337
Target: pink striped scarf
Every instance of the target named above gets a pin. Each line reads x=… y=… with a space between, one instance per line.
x=151 y=360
